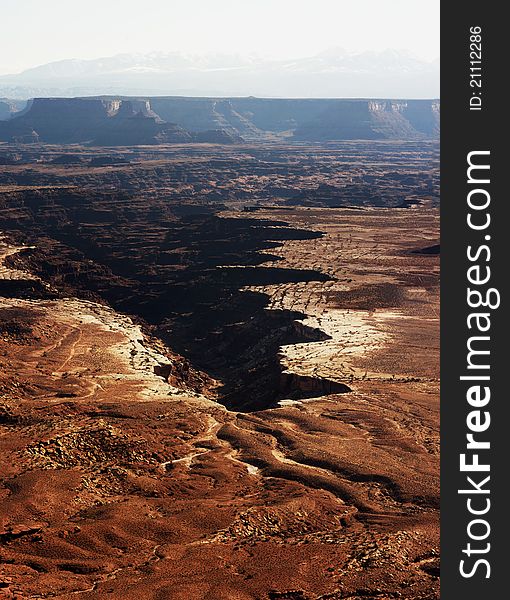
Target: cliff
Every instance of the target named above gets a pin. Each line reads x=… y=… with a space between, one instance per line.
x=135 y=123
x=131 y=121
x=372 y=119
x=61 y=120
x=306 y=119
x=9 y=108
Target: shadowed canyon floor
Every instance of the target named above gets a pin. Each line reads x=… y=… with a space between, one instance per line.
x=264 y=423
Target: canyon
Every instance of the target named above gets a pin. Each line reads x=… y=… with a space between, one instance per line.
x=123 y=121
x=219 y=357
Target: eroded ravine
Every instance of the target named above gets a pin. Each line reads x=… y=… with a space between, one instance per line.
x=343 y=476
x=199 y=309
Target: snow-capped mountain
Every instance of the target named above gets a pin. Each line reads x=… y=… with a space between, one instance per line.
x=335 y=72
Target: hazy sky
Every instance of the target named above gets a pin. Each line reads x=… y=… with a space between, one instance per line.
x=33 y=32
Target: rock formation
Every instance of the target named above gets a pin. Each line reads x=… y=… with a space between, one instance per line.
x=219 y=370
x=162 y=120
x=9 y=108
x=372 y=120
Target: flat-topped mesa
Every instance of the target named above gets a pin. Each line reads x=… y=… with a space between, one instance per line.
x=103 y=121
x=49 y=110
x=373 y=119
x=111 y=121
x=313 y=119
x=424 y=115
x=136 y=108
x=61 y=120
x=135 y=123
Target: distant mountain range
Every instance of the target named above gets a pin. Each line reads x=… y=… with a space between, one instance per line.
x=335 y=73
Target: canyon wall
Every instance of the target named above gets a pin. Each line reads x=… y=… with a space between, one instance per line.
x=110 y=121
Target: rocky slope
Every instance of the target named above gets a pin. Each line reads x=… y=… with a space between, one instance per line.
x=374 y=119
x=10 y=107
x=110 y=443
x=100 y=121
x=130 y=121
x=323 y=119
x=210 y=404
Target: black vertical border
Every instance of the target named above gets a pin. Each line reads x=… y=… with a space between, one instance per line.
x=462 y=131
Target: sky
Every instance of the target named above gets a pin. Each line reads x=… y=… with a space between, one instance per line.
x=35 y=32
